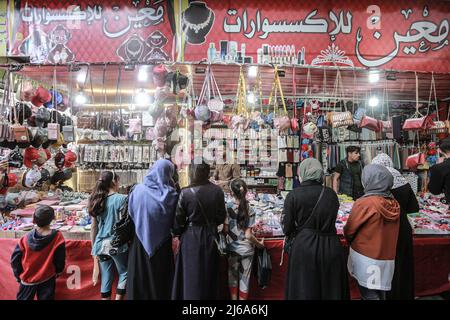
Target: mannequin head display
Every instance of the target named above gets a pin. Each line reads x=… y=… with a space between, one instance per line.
x=197 y=22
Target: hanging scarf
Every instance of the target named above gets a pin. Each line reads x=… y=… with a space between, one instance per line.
x=152 y=206
x=384 y=160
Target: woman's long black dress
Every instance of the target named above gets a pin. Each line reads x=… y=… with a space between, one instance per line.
x=150 y=278
x=197 y=262
x=403 y=280
x=317 y=264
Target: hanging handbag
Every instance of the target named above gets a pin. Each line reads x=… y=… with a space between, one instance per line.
x=20 y=132
x=341 y=118
x=370 y=124
x=135 y=126
x=202 y=111
x=215 y=101
x=438 y=126
x=418 y=121
x=417 y=159
x=294 y=121
x=240 y=121
x=281 y=122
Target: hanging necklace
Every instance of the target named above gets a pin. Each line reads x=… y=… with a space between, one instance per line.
x=197 y=27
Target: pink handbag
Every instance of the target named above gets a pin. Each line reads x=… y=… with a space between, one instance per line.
x=413 y=161
x=216 y=116
x=282 y=123
x=160 y=128
x=422 y=123
x=370 y=124
x=386 y=125
x=135 y=126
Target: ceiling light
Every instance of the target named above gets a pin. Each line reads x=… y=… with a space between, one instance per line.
x=81 y=77
x=252 y=71
x=80 y=98
x=142 y=75
x=373 y=101
x=142 y=98
x=374 y=77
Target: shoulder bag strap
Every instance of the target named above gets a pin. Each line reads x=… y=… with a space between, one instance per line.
x=312 y=212
x=201 y=206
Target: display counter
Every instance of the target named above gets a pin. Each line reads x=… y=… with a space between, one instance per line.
x=431 y=258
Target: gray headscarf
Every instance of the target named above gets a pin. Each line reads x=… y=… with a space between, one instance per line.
x=386 y=161
x=311 y=169
x=377 y=181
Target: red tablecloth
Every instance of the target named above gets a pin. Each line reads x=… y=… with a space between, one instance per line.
x=431 y=254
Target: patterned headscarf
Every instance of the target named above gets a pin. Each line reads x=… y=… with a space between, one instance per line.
x=384 y=160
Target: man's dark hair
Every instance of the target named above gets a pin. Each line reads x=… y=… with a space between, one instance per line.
x=199 y=173
x=444 y=145
x=43 y=216
x=351 y=149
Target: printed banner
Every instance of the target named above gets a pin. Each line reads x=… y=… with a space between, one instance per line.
x=403 y=35
x=92 y=31
x=407 y=35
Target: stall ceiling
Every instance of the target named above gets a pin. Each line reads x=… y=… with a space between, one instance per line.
x=355 y=81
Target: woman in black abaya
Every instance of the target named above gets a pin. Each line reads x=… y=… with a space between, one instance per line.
x=317 y=266
x=201 y=208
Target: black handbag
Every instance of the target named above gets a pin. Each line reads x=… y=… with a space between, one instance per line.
x=219 y=238
x=264 y=267
x=289 y=240
x=123 y=230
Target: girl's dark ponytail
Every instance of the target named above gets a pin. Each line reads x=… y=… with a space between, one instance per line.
x=239 y=189
x=98 y=196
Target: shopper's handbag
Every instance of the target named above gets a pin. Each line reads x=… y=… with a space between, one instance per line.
x=418 y=121
x=123 y=230
x=264 y=267
x=220 y=243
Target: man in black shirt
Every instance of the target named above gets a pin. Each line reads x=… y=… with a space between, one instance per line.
x=347 y=178
x=440 y=173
